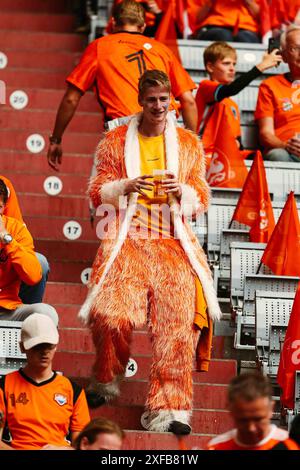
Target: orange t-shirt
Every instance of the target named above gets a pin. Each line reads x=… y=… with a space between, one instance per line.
x=42 y=413
x=18 y=263
x=284 y=12
x=228 y=13
x=280 y=99
x=113 y=65
x=205 y=98
x=12 y=208
x=229 y=441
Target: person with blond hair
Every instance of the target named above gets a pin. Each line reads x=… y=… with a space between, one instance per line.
x=150 y=267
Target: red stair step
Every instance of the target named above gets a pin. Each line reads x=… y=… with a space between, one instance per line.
x=60 y=250
x=44 y=120
x=12 y=162
x=45 y=41
x=56 y=6
x=14 y=139
x=203 y=421
x=134 y=393
x=78 y=340
x=66 y=293
x=67 y=271
x=36 y=22
x=52 y=227
x=68 y=318
x=22 y=78
x=75 y=185
x=53 y=60
x=142 y=440
x=78 y=364
x=49 y=99
x=54 y=206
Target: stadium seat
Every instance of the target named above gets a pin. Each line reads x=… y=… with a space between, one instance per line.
x=272 y=313
x=11 y=357
x=244 y=305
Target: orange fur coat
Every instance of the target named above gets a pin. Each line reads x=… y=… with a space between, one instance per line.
x=118 y=158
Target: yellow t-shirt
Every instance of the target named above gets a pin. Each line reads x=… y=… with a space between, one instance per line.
x=153 y=216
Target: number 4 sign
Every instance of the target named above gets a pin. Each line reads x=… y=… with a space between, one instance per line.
x=131 y=368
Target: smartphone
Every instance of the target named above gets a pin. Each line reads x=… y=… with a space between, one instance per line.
x=274 y=43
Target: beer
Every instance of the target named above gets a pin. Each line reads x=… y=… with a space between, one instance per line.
x=158 y=177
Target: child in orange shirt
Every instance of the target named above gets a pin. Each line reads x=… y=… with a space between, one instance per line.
x=220 y=61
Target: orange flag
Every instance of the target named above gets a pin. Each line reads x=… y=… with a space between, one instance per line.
x=227 y=168
x=290 y=355
x=254 y=207
x=282 y=253
x=166 y=32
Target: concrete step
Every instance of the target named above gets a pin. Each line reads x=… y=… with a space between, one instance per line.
x=29 y=40
x=79 y=143
x=75 y=185
x=31 y=119
x=203 y=421
x=42 y=98
x=36 y=22
x=53 y=6
x=14 y=162
x=141 y=440
x=79 y=365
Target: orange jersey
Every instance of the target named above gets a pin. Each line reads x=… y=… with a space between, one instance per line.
x=18 y=262
x=284 y=12
x=205 y=98
x=227 y=13
x=12 y=208
x=42 y=413
x=113 y=65
x=229 y=441
x=280 y=99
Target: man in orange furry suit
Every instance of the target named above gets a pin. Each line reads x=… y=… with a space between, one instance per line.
x=150 y=267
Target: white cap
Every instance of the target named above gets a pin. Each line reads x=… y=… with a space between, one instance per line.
x=38 y=329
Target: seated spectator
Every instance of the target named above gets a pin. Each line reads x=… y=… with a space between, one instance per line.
x=251 y=406
x=100 y=434
x=18 y=263
x=55 y=406
x=278 y=105
x=220 y=61
x=283 y=13
x=28 y=294
x=223 y=20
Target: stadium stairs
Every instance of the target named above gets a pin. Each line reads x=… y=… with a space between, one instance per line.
x=36 y=36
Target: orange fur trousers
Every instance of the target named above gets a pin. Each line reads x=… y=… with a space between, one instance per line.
x=151 y=282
